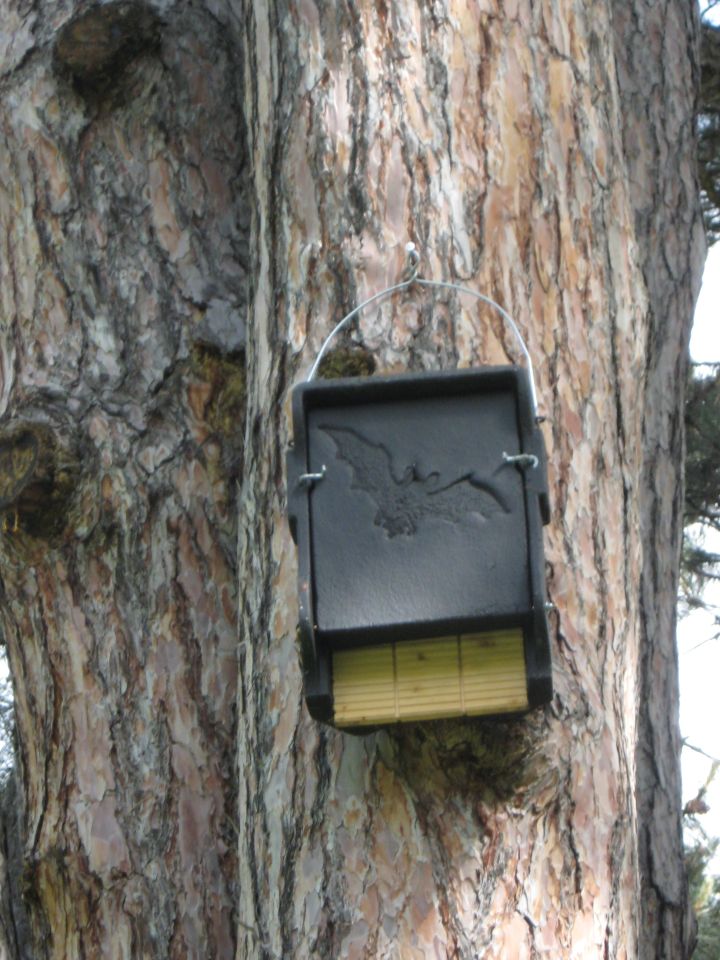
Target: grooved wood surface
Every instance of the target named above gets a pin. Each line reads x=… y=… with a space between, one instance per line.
x=430 y=679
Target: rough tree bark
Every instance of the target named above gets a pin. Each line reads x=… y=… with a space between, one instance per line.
x=123 y=252
x=190 y=195
x=659 y=146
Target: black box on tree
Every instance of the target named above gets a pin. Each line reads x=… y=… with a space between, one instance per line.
x=417 y=504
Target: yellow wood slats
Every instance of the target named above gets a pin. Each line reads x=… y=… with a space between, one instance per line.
x=429 y=679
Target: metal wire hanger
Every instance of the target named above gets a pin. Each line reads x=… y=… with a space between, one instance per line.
x=413 y=279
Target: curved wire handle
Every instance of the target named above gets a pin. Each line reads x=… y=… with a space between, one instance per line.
x=414 y=263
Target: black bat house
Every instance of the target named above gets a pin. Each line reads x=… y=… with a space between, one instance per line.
x=417 y=505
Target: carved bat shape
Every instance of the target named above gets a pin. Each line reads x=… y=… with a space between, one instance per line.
x=403 y=501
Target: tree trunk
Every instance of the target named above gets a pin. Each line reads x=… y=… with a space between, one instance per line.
x=191 y=195
x=659 y=145
x=123 y=246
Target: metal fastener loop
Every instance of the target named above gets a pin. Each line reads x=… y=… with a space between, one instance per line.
x=522 y=459
x=310 y=479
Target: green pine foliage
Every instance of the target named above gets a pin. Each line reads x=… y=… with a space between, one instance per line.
x=708 y=916
x=705 y=898
x=702 y=465
x=709 y=128
x=700 y=565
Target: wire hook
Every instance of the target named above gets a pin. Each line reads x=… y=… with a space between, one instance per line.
x=410 y=277
x=413 y=263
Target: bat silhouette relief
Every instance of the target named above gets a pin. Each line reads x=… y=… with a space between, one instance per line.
x=403 y=501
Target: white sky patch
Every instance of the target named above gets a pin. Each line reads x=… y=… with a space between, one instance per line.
x=705 y=338
x=699 y=652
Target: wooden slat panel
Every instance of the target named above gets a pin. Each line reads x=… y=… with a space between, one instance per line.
x=364 y=686
x=430 y=679
x=493 y=666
